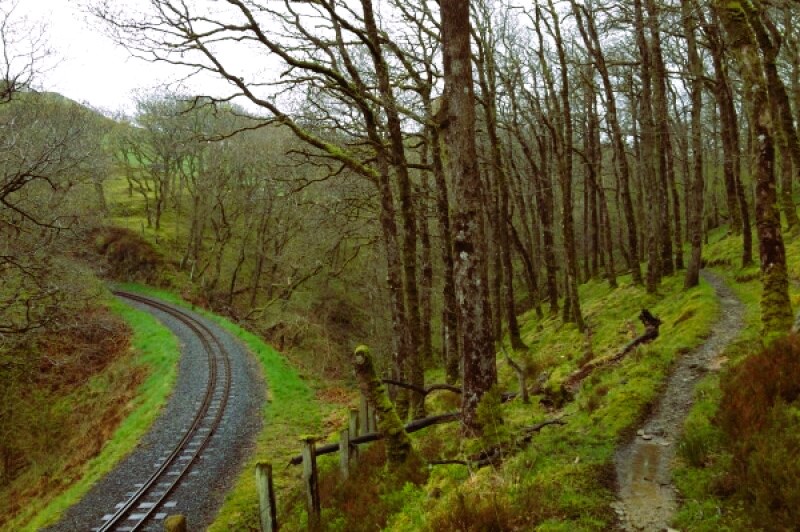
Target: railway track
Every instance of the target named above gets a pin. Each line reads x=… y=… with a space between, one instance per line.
x=149 y=499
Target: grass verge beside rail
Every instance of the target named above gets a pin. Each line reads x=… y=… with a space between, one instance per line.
x=156 y=349
x=291 y=410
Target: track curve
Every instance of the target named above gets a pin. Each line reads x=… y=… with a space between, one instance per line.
x=193 y=451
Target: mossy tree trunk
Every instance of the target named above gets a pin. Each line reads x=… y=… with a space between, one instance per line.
x=563 y=146
x=450 y=329
x=594 y=166
x=398 y=445
x=739 y=19
x=471 y=276
x=399 y=162
x=648 y=169
x=665 y=163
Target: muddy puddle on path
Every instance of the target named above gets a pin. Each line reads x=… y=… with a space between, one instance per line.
x=647 y=499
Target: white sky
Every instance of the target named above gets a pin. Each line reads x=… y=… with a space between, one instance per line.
x=90 y=67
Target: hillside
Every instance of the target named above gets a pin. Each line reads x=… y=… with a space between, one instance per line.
x=541 y=261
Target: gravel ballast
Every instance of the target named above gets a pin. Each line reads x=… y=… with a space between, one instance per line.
x=200 y=494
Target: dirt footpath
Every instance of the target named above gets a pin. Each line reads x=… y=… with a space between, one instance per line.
x=646 y=494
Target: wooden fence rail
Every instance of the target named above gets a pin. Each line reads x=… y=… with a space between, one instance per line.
x=414 y=426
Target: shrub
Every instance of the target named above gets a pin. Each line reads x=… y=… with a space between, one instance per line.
x=129 y=257
x=760 y=413
x=472 y=512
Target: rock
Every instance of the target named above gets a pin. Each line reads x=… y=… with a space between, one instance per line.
x=646 y=437
x=640 y=432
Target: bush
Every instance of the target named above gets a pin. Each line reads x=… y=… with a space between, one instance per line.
x=129 y=257
x=472 y=512
x=760 y=414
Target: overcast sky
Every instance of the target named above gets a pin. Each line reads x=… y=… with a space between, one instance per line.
x=90 y=67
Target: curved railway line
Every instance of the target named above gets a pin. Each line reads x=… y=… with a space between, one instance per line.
x=137 y=511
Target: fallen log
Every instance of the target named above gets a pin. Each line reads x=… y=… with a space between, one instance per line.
x=651 y=325
x=423 y=391
x=414 y=426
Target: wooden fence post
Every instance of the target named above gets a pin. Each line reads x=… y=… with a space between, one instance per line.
x=363 y=416
x=353 y=427
x=267 y=509
x=175 y=523
x=310 y=479
x=344 y=452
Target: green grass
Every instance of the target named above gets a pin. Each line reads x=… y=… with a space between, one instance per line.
x=157 y=349
x=291 y=410
x=563 y=479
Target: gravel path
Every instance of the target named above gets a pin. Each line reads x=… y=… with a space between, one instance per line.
x=646 y=495
x=200 y=494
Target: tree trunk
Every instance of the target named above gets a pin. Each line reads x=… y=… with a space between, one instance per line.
x=564 y=146
x=399 y=162
x=450 y=331
x=591 y=40
x=695 y=215
x=729 y=130
x=648 y=170
x=488 y=82
x=480 y=370
x=776 y=310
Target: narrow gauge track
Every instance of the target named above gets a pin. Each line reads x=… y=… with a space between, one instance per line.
x=151 y=495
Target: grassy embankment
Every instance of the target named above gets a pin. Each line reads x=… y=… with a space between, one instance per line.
x=291 y=410
x=135 y=386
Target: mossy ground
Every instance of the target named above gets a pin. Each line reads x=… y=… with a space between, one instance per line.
x=152 y=363
x=562 y=480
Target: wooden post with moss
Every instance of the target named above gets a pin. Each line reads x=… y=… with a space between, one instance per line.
x=267 y=509
x=175 y=523
x=398 y=444
x=311 y=481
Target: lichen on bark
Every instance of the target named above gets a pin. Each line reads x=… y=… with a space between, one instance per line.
x=398 y=445
x=743 y=22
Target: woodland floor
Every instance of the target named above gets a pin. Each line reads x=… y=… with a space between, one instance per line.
x=647 y=497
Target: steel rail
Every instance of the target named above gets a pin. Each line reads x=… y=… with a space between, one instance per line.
x=203 y=333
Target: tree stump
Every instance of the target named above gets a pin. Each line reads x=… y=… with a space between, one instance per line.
x=398 y=444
